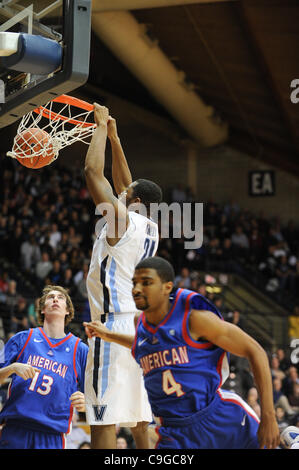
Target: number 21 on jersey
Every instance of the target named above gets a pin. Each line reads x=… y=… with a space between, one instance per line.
x=149 y=247
x=170 y=385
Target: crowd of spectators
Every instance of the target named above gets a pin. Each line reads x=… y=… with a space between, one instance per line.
x=47 y=225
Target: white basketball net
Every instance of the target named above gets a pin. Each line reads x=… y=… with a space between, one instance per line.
x=59 y=125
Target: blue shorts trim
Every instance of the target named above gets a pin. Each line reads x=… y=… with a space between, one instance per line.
x=14 y=436
x=226 y=423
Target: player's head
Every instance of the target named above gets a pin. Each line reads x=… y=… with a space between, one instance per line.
x=152 y=283
x=143 y=191
x=52 y=295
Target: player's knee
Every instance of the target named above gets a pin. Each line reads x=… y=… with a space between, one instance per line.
x=103 y=429
x=141 y=427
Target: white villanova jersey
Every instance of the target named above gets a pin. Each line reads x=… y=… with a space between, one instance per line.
x=109 y=281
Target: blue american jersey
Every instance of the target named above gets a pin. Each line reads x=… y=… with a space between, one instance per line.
x=44 y=401
x=181 y=375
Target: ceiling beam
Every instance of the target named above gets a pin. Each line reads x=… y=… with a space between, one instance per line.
x=248 y=15
x=128 y=40
x=108 y=5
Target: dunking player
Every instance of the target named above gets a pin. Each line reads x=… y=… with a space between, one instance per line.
x=114 y=387
x=182 y=346
x=47 y=369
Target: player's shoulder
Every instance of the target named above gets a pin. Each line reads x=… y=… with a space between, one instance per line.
x=82 y=346
x=198 y=302
x=19 y=338
x=194 y=299
x=140 y=218
x=24 y=334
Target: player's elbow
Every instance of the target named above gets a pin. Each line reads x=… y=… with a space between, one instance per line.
x=256 y=352
x=89 y=170
x=92 y=172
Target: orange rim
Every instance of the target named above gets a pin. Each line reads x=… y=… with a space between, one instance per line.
x=66 y=99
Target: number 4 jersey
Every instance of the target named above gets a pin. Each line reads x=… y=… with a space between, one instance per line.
x=181 y=375
x=44 y=401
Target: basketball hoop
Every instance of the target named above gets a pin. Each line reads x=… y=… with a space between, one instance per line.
x=65 y=119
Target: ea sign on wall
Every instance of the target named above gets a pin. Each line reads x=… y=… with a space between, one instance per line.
x=262 y=183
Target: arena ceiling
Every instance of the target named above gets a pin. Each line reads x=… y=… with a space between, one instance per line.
x=239 y=57
x=220 y=71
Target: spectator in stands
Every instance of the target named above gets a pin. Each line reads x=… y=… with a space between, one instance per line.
x=223 y=230
x=30 y=253
x=77 y=435
x=292 y=377
x=293 y=323
x=235 y=318
x=275 y=244
x=44 y=266
x=211 y=218
x=74 y=237
x=255 y=245
x=281 y=418
x=202 y=289
x=240 y=242
x=11 y=295
x=294 y=397
x=54 y=236
x=32 y=314
x=183 y=279
x=280 y=398
x=121 y=443
x=214 y=254
x=14 y=243
x=3 y=235
x=64 y=244
x=253 y=401
x=81 y=287
x=125 y=433
x=64 y=261
x=68 y=283
x=286 y=276
x=291 y=236
x=284 y=363
x=178 y=194
x=56 y=274
x=275 y=368
x=85 y=445
x=80 y=274
x=19 y=318
x=45 y=246
x=4 y=280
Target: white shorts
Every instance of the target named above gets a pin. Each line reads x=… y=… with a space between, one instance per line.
x=114 y=386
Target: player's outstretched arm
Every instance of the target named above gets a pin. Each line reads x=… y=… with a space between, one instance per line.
x=98 y=186
x=234 y=340
x=97 y=328
x=24 y=371
x=121 y=174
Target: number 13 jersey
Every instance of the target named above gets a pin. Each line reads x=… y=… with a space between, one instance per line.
x=44 y=401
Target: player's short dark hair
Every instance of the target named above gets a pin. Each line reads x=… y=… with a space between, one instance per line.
x=148 y=192
x=162 y=266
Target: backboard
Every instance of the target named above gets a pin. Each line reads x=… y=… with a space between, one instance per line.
x=67 y=23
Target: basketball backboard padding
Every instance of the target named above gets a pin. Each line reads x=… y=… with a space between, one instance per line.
x=8 y=43
x=35 y=54
x=73 y=73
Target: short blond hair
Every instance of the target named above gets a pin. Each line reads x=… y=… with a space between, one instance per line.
x=42 y=300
